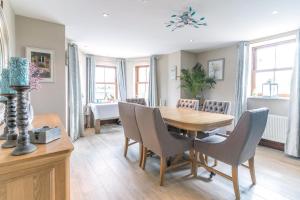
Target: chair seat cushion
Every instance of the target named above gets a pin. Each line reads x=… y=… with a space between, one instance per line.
x=213 y=139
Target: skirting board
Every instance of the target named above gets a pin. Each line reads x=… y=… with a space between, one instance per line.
x=272 y=144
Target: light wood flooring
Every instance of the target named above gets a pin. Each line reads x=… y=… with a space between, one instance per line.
x=99 y=171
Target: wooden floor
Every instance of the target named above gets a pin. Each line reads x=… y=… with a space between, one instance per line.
x=99 y=171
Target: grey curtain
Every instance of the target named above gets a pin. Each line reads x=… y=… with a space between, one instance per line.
x=121 y=74
x=74 y=94
x=152 y=95
x=241 y=80
x=90 y=79
x=292 y=146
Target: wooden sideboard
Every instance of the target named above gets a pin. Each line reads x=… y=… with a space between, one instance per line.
x=41 y=175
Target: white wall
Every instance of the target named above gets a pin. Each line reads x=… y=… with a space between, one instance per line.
x=174 y=90
x=51 y=98
x=162 y=78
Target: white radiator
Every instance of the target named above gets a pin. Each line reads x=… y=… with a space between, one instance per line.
x=276 y=128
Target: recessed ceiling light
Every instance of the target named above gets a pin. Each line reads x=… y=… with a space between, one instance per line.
x=275 y=12
x=105 y=14
x=144 y=1
x=191 y=40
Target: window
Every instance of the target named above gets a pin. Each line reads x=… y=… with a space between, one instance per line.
x=142 y=81
x=106 y=84
x=273 y=64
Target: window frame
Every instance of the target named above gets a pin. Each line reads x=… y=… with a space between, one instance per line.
x=254 y=70
x=137 y=82
x=110 y=83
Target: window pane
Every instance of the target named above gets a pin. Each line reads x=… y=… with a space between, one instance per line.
x=99 y=77
x=285 y=55
x=143 y=90
x=143 y=74
x=110 y=75
x=283 y=78
x=265 y=58
x=100 y=91
x=110 y=91
x=262 y=77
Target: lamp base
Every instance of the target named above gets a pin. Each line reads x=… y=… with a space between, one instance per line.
x=3 y=136
x=24 y=149
x=11 y=141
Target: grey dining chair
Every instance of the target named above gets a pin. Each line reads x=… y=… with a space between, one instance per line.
x=157 y=139
x=237 y=148
x=131 y=130
x=188 y=103
x=140 y=101
x=221 y=107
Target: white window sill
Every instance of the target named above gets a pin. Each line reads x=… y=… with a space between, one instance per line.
x=269 y=98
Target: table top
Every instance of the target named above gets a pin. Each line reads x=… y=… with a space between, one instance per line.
x=60 y=146
x=193 y=120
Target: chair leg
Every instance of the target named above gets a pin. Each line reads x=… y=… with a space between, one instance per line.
x=141 y=154
x=192 y=160
x=163 y=163
x=235 y=181
x=206 y=159
x=252 y=170
x=126 y=146
x=196 y=156
x=144 y=157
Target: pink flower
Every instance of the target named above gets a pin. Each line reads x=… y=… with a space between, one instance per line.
x=34 y=73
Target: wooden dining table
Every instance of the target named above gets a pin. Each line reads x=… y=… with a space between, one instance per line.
x=193 y=120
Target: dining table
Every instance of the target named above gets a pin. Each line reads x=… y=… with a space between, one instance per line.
x=194 y=120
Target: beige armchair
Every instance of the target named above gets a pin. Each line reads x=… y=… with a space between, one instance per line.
x=237 y=148
x=157 y=139
x=131 y=130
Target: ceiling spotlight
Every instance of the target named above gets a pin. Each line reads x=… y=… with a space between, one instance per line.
x=275 y=12
x=105 y=14
x=191 y=40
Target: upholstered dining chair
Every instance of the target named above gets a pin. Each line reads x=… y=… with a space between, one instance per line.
x=157 y=139
x=221 y=107
x=131 y=130
x=237 y=148
x=188 y=103
x=140 y=101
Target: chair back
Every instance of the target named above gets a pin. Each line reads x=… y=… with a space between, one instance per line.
x=128 y=119
x=221 y=107
x=245 y=137
x=140 y=101
x=188 y=103
x=154 y=131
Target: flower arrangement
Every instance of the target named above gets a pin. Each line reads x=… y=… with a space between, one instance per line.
x=34 y=77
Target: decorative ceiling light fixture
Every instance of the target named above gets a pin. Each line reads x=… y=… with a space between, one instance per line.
x=188 y=17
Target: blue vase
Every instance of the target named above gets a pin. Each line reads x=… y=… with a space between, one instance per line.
x=19 y=71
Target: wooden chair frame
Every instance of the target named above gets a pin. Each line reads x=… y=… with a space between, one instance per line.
x=163 y=163
x=127 y=144
x=234 y=171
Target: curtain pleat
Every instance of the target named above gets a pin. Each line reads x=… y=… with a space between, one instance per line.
x=121 y=74
x=90 y=79
x=292 y=146
x=152 y=97
x=241 y=80
x=74 y=94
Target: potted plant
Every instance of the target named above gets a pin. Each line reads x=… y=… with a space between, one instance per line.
x=196 y=81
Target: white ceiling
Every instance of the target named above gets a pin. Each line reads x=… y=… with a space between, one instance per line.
x=137 y=27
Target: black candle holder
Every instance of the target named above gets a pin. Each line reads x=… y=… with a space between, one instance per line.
x=5 y=130
x=11 y=137
x=23 y=143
